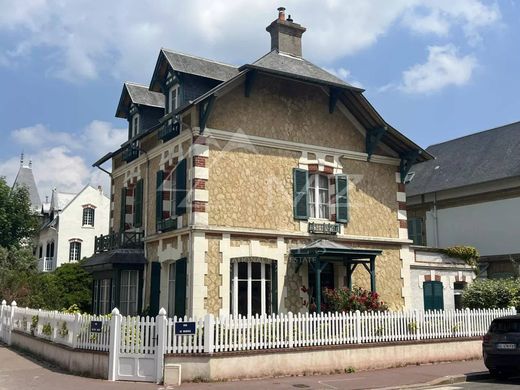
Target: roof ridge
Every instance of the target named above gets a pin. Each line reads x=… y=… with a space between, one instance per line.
x=474 y=134
x=199 y=58
x=136 y=84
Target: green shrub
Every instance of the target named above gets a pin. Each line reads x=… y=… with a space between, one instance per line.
x=344 y=299
x=492 y=294
x=469 y=254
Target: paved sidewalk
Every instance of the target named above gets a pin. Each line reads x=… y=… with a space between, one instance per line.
x=18 y=371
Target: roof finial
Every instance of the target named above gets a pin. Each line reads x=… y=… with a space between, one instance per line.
x=21 y=160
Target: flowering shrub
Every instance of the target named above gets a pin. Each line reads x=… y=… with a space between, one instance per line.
x=357 y=298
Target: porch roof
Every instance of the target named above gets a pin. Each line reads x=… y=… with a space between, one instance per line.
x=115 y=256
x=325 y=248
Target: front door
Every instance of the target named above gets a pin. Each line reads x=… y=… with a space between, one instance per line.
x=327 y=281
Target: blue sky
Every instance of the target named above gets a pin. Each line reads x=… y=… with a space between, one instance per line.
x=436 y=70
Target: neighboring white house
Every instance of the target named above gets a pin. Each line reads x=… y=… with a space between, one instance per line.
x=470 y=195
x=71 y=222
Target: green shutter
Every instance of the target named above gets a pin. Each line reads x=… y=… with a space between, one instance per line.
x=159 y=198
x=155 y=288
x=180 y=194
x=274 y=287
x=342 y=198
x=300 y=193
x=428 y=295
x=180 y=287
x=138 y=204
x=433 y=295
x=122 y=216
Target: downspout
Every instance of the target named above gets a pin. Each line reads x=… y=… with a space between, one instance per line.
x=145 y=224
x=436 y=227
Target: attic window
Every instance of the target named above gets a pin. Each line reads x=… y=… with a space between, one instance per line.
x=409 y=177
x=135 y=125
x=173 y=98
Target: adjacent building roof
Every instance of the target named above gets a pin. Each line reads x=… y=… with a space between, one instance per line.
x=295 y=67
x=138 y=94
x=60 y=200
x=25 y=178
x=476 y=158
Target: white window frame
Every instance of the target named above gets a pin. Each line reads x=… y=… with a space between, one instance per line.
x=135 y=124
x=171 y=91
x=318 y=209
x=74 y=250
x=88 y=216
x=104 y=296
x=171 y=289
x=263 y=281
x=129 y=280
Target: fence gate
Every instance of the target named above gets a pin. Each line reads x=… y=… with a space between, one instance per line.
x=136 y=356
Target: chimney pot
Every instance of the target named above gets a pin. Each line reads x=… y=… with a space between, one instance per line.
x=289 y=19
x=281 y=13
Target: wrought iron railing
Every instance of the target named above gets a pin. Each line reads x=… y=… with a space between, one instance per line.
x=131 y=153
x=126 y=240
x=169 y=131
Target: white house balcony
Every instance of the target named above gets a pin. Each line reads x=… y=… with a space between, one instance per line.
x=46 y=264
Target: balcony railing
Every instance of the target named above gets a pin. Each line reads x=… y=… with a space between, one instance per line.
x=131 y=153
x=167 y=224
x=126 y=240
x=46 y=264
x=169 y=131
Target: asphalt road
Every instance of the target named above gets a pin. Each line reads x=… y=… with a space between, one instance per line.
x=482 y=385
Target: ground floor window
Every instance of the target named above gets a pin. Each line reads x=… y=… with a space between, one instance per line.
x=458 y=289
x=104 y=296
x=250 y=288
x=433 y=295
x=128 y=292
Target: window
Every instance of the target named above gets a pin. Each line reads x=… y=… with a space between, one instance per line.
x=75 y=251
x=319 y=196
x=95 y=297
x=250 y=288
x=128 y=292
x=173 y=98
x=415 y=230
x=135 y=125
x=104 y=296
x=88 y=216
x=458 y=289
x=171 y=196
x=171 y=289
x=433 y=295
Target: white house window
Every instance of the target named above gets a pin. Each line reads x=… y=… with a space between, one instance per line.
x=75 y=251
x=135 y=125
x=128 y=292
x=104 y=296
x=88 y=216
x=171 y=290
x=250 y=288
x=319 y=196
x=173 y=98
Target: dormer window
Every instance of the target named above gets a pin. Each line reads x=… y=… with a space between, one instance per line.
x=173 y=98
x=135 y=125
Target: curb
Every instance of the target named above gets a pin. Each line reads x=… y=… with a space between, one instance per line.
x=446 y=380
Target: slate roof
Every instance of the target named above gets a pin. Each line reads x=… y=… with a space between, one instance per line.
x=140 y=94
x=295 y=67
x=476 y=158
x=116 y=256
x=199 y=66
x=60 y=200
x=25 y=178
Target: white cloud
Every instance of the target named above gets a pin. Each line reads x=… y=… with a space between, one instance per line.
x=345 y=75
x=88 y=38
x=444 y=67
x=63 y=160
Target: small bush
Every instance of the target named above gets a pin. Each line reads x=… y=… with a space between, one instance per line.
x=492 y=294
x=344 y=299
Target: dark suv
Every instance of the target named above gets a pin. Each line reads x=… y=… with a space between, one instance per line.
x=501 y=346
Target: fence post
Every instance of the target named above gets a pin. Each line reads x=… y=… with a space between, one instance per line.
x=358 y=326
x=161 y=323
x=290 y=320
x=209 y=325
x=76 y=326
x=468 y=322
x=115 y=344
x=10 y=322
x=513 y=310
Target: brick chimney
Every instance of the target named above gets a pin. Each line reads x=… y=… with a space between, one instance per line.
x=286 y=36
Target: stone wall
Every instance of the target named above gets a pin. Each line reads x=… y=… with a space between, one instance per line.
x=251 y=188
x=213 y=278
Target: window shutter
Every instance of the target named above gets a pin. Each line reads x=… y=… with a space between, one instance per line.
x=93 y=215
x=342 y=198
x=300 y=194
x=155 y=288
x=180 y=195
x=274 y=287
x=138 y=204
x=122 y=225
x=438 y=299
x=180 y=287
x=159 y=198
x=428 y=295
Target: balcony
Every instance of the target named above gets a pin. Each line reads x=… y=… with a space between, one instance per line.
x=126 y=240
x=169 y=131
x=46 y=264
x=131 y=153
x=166 y=225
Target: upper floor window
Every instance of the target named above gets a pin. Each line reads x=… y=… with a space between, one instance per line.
x=88 y=216
x=135 y=125
x=173 y=98
x=415 y=230
x=319 y=196
x=75 y=251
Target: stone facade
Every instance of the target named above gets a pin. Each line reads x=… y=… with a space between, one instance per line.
x=213 y=278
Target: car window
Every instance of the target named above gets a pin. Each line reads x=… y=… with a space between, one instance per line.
x=505 y=325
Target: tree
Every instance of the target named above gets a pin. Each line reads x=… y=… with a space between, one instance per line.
x=18 y=222
x=74 y=286
x=18 y=266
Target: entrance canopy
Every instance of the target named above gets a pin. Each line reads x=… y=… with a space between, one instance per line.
x=322 y=252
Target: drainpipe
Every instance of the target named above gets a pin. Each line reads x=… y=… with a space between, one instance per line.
x=436 y=223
